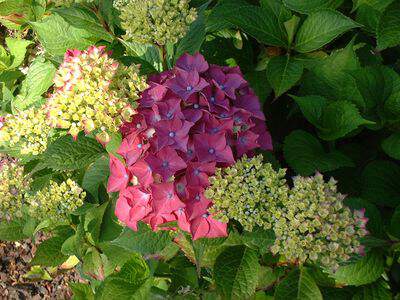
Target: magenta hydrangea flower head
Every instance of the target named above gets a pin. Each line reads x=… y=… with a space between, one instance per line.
x=191 y=120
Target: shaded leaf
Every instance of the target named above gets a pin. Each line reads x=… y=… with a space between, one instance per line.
x=12 y=231
x=95 y=175
x=339 y=119
x=307 y=6
x=380 y=183
x=283 y=72
x=391 y=146
x=320 y=28
x=364 y=271
x=388 y=31
x=49 y=253
x=236 y=272
x=143 y=241
x=253 y=20
x=305 y=155
x=132 y=282
x=298 y=285
x=194 y=38
x=83 y=18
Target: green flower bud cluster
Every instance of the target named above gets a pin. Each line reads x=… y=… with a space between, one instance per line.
x=247 y=192
x=56 y=201
x=13 y=186
x=155 y=21
x=314 y=224
x=28 y=130
x=310 y=221
x=118 y=4
x=93 y=93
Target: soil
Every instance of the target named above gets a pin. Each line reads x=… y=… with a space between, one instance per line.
x=14 y=264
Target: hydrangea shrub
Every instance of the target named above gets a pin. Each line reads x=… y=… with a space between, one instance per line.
x=187 y=149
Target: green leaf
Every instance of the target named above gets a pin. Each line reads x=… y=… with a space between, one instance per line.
x=144 y=241
x=132 y=282
x=12 y=231
x=291 y=28
x=298 y=285
x=82 y=18
x=95 y=175
x=36 y=83
x=144 y=53
x=49 y=253
x=116 y=256
x=330 y=293
x=183 y=274
x=369 y=13
x=394 y=228
x=8 y=7
x=259 y=239
x=380 y=183
x=379 y=290
x=236 y=272
x=320 y=28
x=67 y=154
x=93 y=221
x=37 y=273
x=56 y=36
x=110 y=227
x=364 y=271
x=193 y=40
x=81 y=291
x=17 y=48
x=259 y=83
x=305 y=154
x=312 y=108
x=92 y=263
x=9 y=78
x=277 y=8
x=339 y=119
x=391 y=145
x=283 y=72
x=307 y=6
x=254 y=20
x=388 y=31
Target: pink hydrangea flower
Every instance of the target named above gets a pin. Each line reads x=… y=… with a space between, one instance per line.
x=191 y=120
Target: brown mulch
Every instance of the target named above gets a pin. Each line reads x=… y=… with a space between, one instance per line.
x=14 y=264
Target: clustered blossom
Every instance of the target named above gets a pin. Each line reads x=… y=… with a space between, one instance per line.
x=247 y=192
x=27 y=130
x=13 y=186
x=155 y=21
x=55 y=201
x=190 y=120
x=93 y=93
x=314 y=224
x=310 y=221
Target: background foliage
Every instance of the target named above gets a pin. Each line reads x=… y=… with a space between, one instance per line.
x=327 y=73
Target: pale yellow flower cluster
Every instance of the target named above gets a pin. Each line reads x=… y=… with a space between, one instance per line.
x=93 y=93
x=56 y=201
x=13 y=186
x=26 y=130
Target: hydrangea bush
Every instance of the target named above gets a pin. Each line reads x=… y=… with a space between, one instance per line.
x=230 y=149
